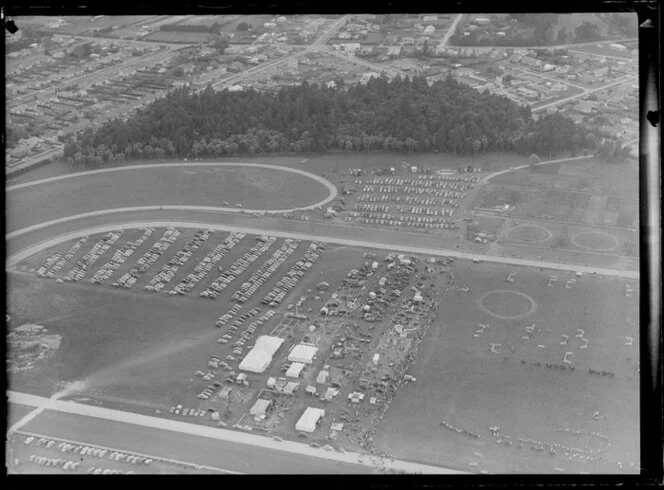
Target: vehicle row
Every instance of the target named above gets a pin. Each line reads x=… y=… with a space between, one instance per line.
x=88 y=260
x=56 y=261
x=205 y=266
x=119 y=257
x=265 y=271
x=238 y=267
x=148 y=258
x=296 y=272
x=168 y=271
x=403 y=221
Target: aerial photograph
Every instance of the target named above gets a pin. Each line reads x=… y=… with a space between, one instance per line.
x=323 y=244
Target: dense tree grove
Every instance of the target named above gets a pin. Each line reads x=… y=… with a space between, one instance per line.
x=398 y=115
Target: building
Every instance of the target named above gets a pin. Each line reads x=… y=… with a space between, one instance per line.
x=260 y=408
x=322 y=377
x=351 y=47
x=394 y=50
x=294 y=370
x=429 y=29
x=303 y=353
x=260 y=356
x=561 y=69
x=430 y=18
x=310 y=419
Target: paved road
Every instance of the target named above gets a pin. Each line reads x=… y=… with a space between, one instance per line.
x=552 y=46
x=368 y=64
x=23 y=243
x=217 y=447
x=586 y=92
x=33 y=160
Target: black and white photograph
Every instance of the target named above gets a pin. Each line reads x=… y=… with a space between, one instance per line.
x=324 y=244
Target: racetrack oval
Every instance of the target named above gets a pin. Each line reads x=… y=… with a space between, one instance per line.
x=257 y=187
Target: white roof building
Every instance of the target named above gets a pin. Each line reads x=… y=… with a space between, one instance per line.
x=259 y=409
x=294 y=370
x=302 y=353
x=310 y=419
x=260 y=356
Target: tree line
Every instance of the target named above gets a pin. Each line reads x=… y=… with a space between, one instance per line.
x=402 y=114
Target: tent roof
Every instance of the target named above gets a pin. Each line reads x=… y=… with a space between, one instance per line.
x=294 y=370
x=309 y=418
x=260 y=407
x=303 y=353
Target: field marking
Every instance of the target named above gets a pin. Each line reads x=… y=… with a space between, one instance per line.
x=533 y=305
x=171 y=461
x=222 y=434
x=547 y=231
x=25 y=253
x=333 y=192
x=615 y=241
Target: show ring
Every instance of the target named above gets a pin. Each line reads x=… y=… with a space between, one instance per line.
x=595 y=240
x=507 y=304
x=529 y=233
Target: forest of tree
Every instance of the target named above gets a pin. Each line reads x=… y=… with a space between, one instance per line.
x=399 y=115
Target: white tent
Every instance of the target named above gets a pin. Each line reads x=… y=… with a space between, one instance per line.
x=294 y=370
x=260 y=356
x=303 y=353
x=309 y=419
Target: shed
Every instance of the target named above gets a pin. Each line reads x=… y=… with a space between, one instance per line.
x=294 y=370
x=322 y=377
x=303 y=353
x=309 y=419
x=291 y=387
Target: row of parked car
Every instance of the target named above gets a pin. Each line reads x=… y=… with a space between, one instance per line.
x=296 y=272
x=65 y=464
x=56 y=261
x=120 y=256
x=238 y=267
x=265 y=271
x=230 y=333
x=168 y=271
x=228 y=316
x=249 y=332
x=80 y=450
x=87 y=261
x=204 y=267
x=148 y=258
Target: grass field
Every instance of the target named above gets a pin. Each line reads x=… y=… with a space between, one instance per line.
x=461 y=381
x=138 y=351
x=16 y=412
x=130 y=346
x=254 y=188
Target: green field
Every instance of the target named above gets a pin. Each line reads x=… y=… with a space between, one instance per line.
x=461 y=381
x=253 y=188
